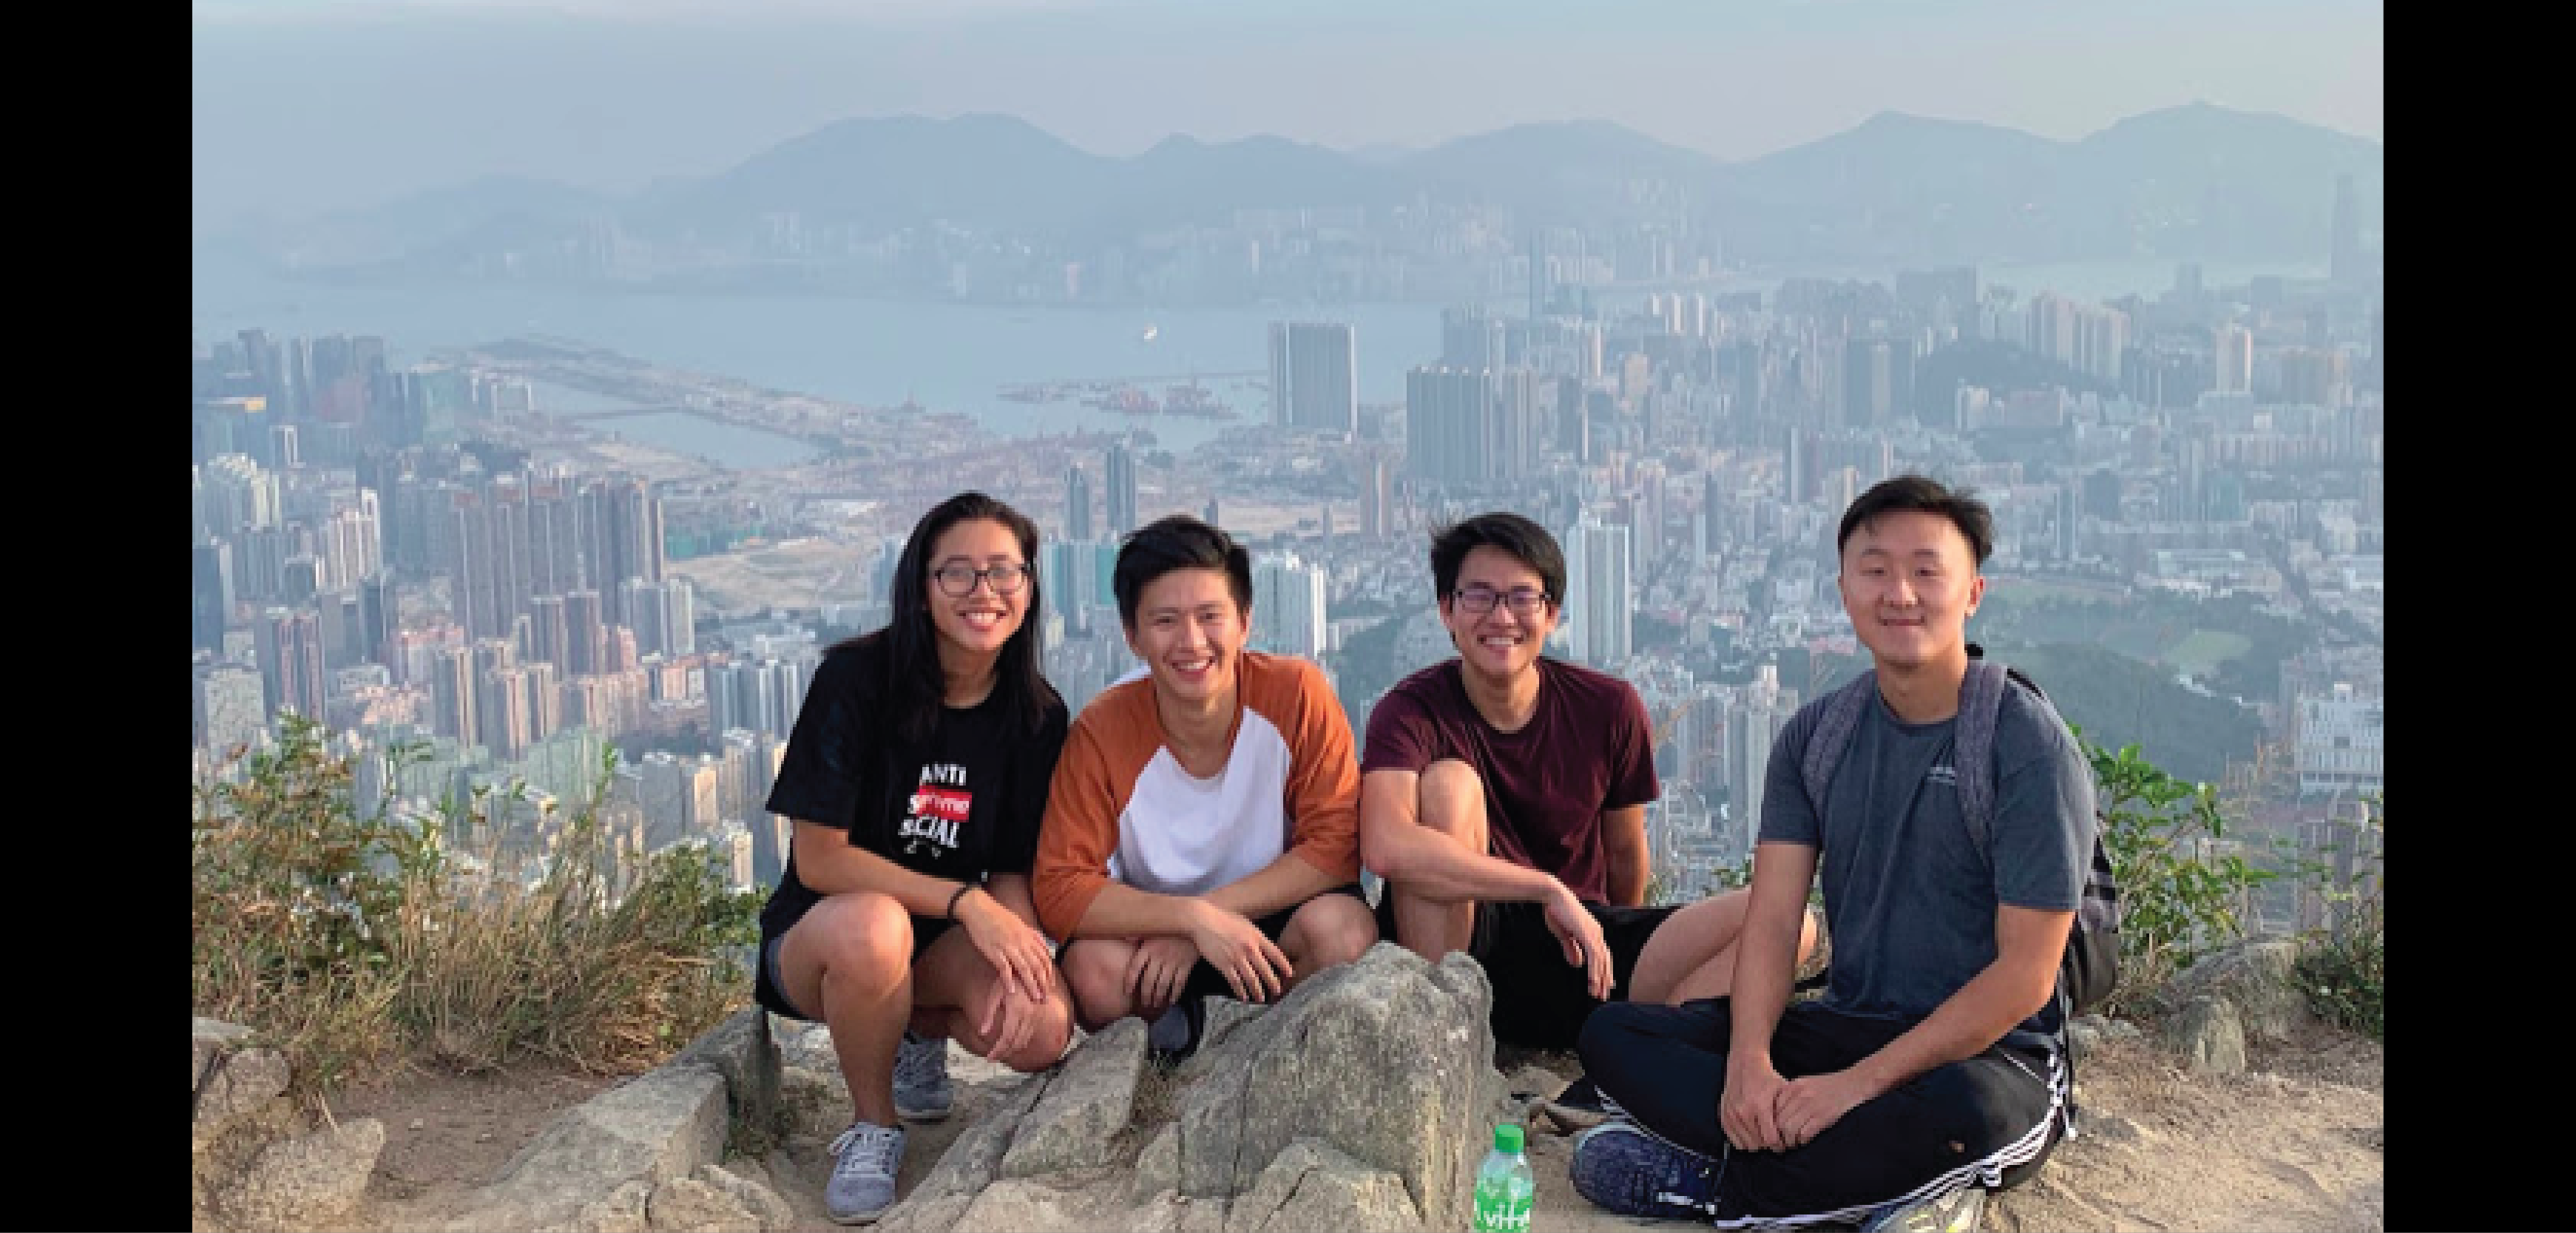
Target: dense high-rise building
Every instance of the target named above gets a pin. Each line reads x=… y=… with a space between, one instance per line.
x=503 y=697
x=1375 y=493
x=1121 y=474
x=289 y=649
x=631 y=542
x=2235 y=359
x=1077 y=503
x=1471 y=338
x=452 y=687
x=1514 y=427
x=642 y=602
x=1869 y=381
x=556 y=554
x=210 y=594
x=1600 y=601
x=1314 y=378
x=549 y=633
x=679 y=617
x=1752 y=724
x=1446 y=423
x=231 y=708
x=585 y=633
x=1288 y=606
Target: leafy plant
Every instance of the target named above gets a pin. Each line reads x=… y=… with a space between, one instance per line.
x=2183 y=887
x=2343 y=968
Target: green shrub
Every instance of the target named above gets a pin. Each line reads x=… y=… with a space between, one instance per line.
x=2181 y=890
x=2343 y=968
x=348 y=940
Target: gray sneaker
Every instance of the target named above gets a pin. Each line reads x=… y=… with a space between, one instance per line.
x=864 y=1160
x=921 y=1089
x=1951 y=1211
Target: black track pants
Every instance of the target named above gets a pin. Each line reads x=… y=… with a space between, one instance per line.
x=1989 y=1119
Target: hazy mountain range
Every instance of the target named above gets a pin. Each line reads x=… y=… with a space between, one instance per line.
x=2196 y=180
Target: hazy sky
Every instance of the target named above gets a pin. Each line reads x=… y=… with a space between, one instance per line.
x=301 y=106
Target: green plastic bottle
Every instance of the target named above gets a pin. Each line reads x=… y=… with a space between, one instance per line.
x=1505 y=1187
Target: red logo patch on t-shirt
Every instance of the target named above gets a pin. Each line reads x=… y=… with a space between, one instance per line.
x=946 y=803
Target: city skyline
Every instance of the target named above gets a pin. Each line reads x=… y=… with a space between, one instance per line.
x=518 y=471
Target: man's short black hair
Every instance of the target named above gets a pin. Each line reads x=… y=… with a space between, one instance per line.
x=1527 y=541
x=1178 y=541
x=1924 y=495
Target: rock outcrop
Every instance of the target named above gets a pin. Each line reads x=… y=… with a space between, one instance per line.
x=1358 y=1101
x=255 y=1164
x=1362 y=1100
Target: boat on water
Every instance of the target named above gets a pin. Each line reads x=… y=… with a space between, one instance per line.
x=1151 y=333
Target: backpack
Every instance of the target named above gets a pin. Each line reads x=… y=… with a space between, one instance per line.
x=2090 y=969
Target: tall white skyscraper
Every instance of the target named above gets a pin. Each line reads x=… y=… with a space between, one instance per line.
x=1447 y=419
x=1314 y=377
x=1599 y=600
x=232 y=709
x=679 y=617
x=2235 y=355
x=1288 y=606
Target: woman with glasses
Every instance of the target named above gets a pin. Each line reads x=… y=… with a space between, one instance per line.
x=916 y=776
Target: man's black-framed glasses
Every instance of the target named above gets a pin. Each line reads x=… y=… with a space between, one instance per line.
x=1524 y=601
x=957 y=581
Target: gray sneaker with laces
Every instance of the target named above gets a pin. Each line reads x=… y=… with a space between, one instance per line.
x=864 y=1160
x=922 y=1092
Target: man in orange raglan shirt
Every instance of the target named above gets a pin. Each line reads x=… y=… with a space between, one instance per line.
x=1202 y=830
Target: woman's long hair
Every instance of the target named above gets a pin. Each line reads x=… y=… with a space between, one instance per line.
x=915 y=690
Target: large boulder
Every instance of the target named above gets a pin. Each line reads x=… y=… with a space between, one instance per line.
x=306 y=1182
x=2209 y=1036
x=1085 y=1104
x=1387 y=1060
x=1359 y=1101
x=2260 y=977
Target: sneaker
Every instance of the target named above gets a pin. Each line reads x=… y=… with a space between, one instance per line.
x=1620 y=1167
x=921 y=1089
x=864 y=1160
x=1581 y=1106
x=1952 y=1211
x=1174 y=1036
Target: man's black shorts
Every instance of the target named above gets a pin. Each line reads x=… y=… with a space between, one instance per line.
x=1540 y=1000
x=1204 y=978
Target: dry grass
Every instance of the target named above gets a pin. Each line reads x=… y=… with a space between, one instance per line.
x=350 y=940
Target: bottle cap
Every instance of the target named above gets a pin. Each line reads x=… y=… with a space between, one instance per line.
x=1507 y=1137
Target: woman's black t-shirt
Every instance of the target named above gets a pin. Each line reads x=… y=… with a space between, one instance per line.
x=963 y=804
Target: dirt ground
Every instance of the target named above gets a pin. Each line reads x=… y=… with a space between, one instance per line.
x=2294 y=1145
x=447 y=1134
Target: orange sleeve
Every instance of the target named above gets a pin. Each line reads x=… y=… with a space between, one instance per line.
x=1323 y=778
x=1079 y=832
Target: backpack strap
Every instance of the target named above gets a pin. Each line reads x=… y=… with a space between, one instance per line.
x=1981 y=699
x=1835 y=725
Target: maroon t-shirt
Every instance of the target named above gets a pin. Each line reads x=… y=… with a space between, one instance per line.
x=1588 y=749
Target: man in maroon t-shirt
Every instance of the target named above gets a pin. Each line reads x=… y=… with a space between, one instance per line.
x=1503 y=802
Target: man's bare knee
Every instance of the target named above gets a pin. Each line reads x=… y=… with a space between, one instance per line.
x=1449 y=798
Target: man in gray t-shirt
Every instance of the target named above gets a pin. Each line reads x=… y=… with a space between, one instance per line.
x=1910 y=897
x=1927 y=1073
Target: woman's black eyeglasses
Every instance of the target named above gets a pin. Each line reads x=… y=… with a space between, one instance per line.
x=958 y=581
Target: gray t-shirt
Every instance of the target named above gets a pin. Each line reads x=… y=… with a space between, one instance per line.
x=1910 y=898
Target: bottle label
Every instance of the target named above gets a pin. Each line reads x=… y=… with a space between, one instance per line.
x=1503 y=1204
